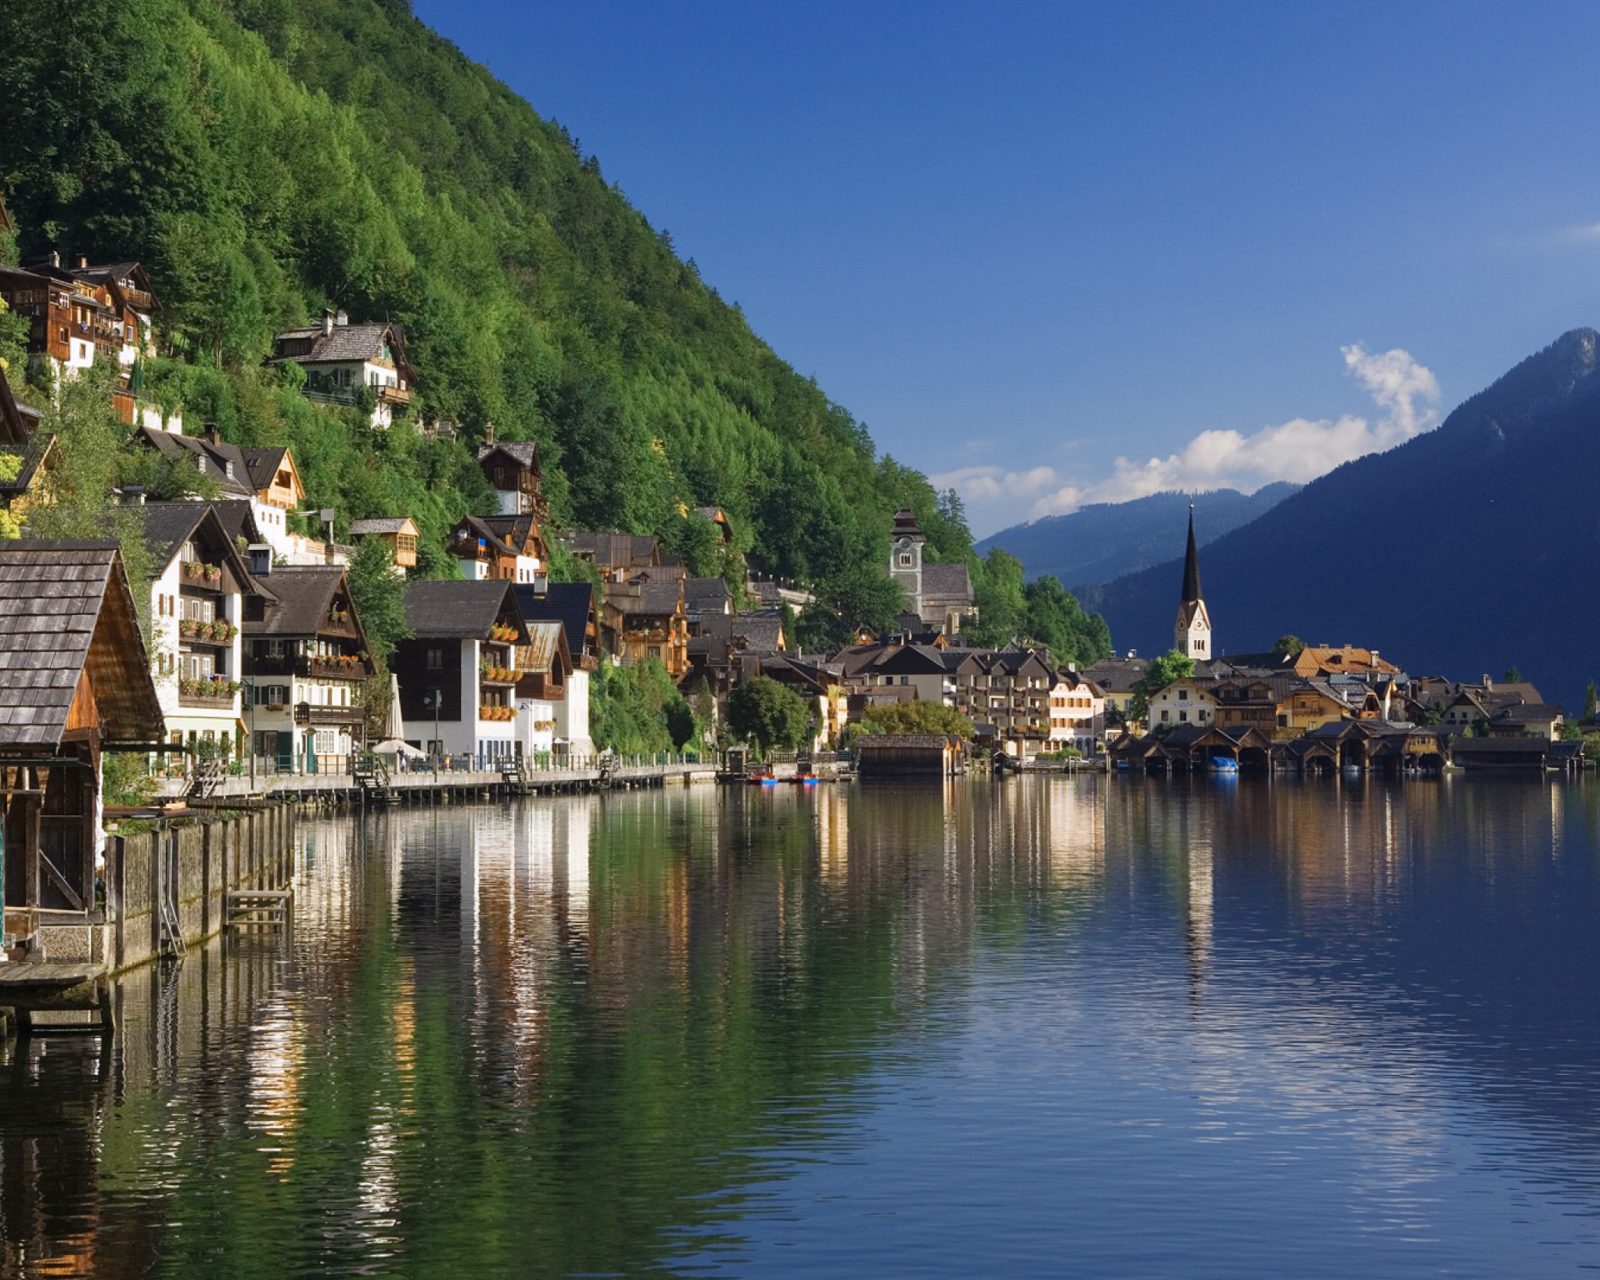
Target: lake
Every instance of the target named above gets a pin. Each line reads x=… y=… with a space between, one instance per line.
x=1097 y=1026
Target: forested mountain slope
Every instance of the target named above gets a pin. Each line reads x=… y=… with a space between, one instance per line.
x=1109 y=539
x=267 y=158
x=1463 y=551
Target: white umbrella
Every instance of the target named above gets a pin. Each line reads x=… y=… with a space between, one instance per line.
x=394 y=727
x=392 y=747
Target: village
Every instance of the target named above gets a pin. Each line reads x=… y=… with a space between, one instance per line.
x=255 y=680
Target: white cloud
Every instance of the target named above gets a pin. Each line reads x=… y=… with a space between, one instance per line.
x=992 y=484
x=1299 y=450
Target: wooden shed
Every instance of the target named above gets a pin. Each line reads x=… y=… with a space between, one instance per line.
x=74 y=680
x=923 y=755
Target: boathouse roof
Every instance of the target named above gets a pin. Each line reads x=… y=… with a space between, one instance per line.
x=65 y=612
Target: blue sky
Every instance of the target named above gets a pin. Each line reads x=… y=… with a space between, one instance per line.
x=1023 y=242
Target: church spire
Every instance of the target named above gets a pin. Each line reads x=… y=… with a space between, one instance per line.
x=1191 y=566
x=1191 y=636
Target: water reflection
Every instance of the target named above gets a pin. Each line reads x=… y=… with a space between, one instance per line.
x=1161 y=1025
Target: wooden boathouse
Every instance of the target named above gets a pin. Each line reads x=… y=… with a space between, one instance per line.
x=900 y=755
x=74 y=683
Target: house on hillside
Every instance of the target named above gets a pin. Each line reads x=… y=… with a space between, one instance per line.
x=618 y=556
x=640 y=620
x=1324 y=660
x=265 y=477
x=398 y=533
x=83 y=314
x=512 y=467
x=820 y=683
x=305 y=661
x=719 y=518
x=74 y=681
x=511 y=548
x=347 y=364
x=572 y=604
x=457 y=671
x=1310 y=704
x=198 y=597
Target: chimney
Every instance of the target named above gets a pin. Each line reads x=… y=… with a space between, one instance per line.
x=260 y=559
x=1132 y=654
x=342 y=318
x=55 y=258
x=1488 y=684
x=83 y=263
x=488 y=433
x=1374 y=657
x=327 y=321
x=210 y=434
x=133 y=495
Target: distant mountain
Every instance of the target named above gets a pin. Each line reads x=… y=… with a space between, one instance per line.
x=1104 y=541
x=1464 y=551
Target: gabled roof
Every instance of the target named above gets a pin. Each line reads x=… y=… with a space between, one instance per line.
x=520 y=453
x=763 y=634
x=382 y=524
x=262 y=464
x=547 y=649
x=646 y=598
x=569 y=603
x=516 y=532
x=706 y=595
x=1528 y=713
x=347 y=344
x=616 y=550
x=299 y=600
x=65 y=607
x=214 y=458
x=17 y=420
x=238 y=519
x=168 y=525
x=461 y=610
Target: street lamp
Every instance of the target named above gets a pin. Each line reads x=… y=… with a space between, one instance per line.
x=431 y=699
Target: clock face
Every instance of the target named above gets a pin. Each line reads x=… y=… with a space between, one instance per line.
x=904 y=544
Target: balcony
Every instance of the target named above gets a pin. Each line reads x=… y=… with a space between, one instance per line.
x=305 y=713
x=502 y=676
x=219 y=633
x=195 y=573
x=393 y=395
x=334 y=668
x=202 y=702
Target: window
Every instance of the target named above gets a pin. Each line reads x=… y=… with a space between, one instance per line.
x=1182 y=715
x=435 y=659
x=905 y=560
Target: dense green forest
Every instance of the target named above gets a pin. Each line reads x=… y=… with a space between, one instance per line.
x=267 y=158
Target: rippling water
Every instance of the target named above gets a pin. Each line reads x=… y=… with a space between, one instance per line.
x=1099 y=1027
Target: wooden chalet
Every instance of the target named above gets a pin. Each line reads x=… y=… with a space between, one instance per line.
x=642 y=620
x=507 y=548
x=341 y=359
x=74 y=682
x=512 y=467
x=398 y=533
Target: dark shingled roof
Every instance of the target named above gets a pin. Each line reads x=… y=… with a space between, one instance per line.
x=523 y=452
x=763 y=634
x=262 y=464
x=304 y=595
x=647 y=598
x=346 y=344
x=459 y=610
x=212 y=459
x=615 y=550
x=167 y=525
x=65 y=606
x=946 y=586
x=568 y=603
x=703 y=595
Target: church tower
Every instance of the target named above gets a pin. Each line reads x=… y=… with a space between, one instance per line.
x=1192 y=634
x=905 y=557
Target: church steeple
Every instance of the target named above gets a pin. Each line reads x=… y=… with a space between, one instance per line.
x=1191 y=565
x=1191 y=636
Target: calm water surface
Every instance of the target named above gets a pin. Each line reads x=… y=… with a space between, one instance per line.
x=1088 y=1027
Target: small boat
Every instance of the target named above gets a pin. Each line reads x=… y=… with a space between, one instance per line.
x=1223 y=764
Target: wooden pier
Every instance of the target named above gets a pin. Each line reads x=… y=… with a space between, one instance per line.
x=28 y=988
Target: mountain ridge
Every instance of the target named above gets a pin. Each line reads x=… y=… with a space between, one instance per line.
x=1105 y=540
x=1455 y=553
